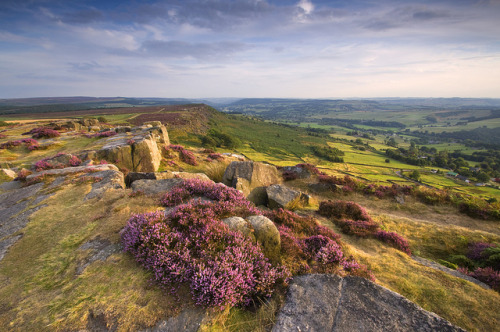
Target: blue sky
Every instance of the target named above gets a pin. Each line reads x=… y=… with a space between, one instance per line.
x=250 y=48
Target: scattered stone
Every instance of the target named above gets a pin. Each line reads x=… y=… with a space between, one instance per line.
x=100 y=249
x=153 y=187
x=323 y=187
x=241 y=225
x=327 y=302
x=267 y=236
x=94 y=129
x=188 y=320
x=123 y=129
x=400 y=199
x=301 y=172
x=7 y=175
x=280 y=196
x=251 y=178
x=109 y=180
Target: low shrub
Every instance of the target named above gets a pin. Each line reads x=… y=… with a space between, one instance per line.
x=192 y=245
x=360 y=228
x=395 y=240
x=342 y=210
x=487 y=275
x=30 y=143
x=43 y=132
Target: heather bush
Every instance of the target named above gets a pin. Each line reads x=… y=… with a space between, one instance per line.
x=101 y=134
x=186 y=156
x=43 y=132
x=360 y=228
x=222 y=267
x=476 y=250
x=395 y=240
x=30 y=143
x=343 y=210
x=2 y=136
x=487 y=275
x=22 y=174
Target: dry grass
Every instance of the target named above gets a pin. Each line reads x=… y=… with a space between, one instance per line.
x=215 y=170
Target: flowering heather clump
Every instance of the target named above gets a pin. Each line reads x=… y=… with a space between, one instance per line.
x=476 y=250
x=21 y=176
x=395 y=240
x=216 y=156
x=310 y=167
x=177 y=148
x=3 y=136
x=343 y=210
x=299 y=225
x=232 y=198
x=289 y=175
x=188 y=157
x=74 y=161
x=43 y=132
x=222 y=267
x=487 y=275
x=108 y=133
x=360 y=228
x=30 y=143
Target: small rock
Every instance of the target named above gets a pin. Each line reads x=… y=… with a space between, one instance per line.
x=7 y=175
x=241 y=225
x=282 y=197
x=267 y=236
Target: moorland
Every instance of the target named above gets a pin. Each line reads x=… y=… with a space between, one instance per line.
x=423 y=176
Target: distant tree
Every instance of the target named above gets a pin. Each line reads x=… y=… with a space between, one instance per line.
x=102 y=119
x=415 y=175
x=387 y=160
x=391 y=142
x=482 y=177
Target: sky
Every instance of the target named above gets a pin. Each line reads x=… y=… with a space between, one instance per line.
x=250 y=48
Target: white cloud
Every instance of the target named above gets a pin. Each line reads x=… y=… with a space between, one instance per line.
x=306 y=5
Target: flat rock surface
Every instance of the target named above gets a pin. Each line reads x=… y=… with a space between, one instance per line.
x=445 y=269
x=188 y=320
x=325 y=302
x=153 y=187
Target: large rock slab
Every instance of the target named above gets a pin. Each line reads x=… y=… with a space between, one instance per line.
x=146 y=156
x=325 y=302
x=73 y=170
x=251 y=178
x=280 y=196
x=154 y=187
x=105 y=180
x=267 y=236
x=134 y=176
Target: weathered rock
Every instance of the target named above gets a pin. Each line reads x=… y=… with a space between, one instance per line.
x=300 y=172
x=109 y=180
x=72 y=170
x=117 y=152
x=15 y=212
x=445 y=269
x=7 y=175
x=153 y=123
x=153 y=187
x=94 y=128
x=133 y=176
x=72 y=125
x=251 y=178
x=123 y=129
x=99 y=250
x=146 y=156
x=282 y=197
x=400 y=199
x=323 y=187
x=189 y=320
x=267 y=235
x=326 y=302
x=241 y=225
x=89 y=122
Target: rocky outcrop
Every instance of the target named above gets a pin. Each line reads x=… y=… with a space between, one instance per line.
x=154 y=187
x=251 y=178
x=325 y=302
x=299 y=172
x=73 y=170
x=189 y=320
x=133 y=176
x=280 y=196
x=105 y=180
x=137 y=149
x=16 y=206
x=267 y=235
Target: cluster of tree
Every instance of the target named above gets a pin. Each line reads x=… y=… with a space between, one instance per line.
x=350 y=122
x=424 y=156
x=218 y=139
x=328 y=153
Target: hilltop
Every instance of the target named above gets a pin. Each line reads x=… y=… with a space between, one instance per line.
x=86 y=222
